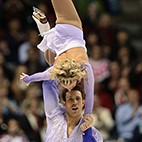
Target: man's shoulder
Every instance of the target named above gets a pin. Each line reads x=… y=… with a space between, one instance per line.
x=60 y=110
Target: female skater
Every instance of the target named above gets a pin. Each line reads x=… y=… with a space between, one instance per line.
x=65 y=41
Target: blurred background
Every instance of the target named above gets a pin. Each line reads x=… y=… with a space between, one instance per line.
x=113 y=34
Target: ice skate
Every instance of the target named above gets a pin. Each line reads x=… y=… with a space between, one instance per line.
x=41 y=21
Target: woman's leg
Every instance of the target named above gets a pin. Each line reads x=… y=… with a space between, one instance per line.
x=66 y=13
x=49 y=56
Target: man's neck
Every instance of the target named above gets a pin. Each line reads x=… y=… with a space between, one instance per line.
x=72 y=122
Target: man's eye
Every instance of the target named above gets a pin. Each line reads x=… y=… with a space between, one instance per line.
x=78 y=98
x=70 y=99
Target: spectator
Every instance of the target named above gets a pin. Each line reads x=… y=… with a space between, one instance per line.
x=124 y=58
x=7 y=67
x=114 y=76
x=102 y=118
x=14 y=133
x=31 y=121
x=10 y=107
x=137 y=137
x=99 y=64
x=32 y=92
x=18 y=88
x=91 y=19
x=123 y=40
x=3 y=79
x=128 y=116
x=120 y=96
x=106 y=30
x=43 y=130
x=11 y=9
x=105 y=96
x=3 y=118
x=106 y=51
x=92 y=39
x=33 y=63
x=4 y=48
x=33 y=40
x=15 y=36
x=135 y=75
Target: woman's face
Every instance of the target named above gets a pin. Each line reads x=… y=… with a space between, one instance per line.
x=71 y=86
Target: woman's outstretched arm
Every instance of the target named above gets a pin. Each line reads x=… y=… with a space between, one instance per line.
x=36 y=77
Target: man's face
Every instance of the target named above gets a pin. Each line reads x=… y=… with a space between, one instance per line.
x=74 y=103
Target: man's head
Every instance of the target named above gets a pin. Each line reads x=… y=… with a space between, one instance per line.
x=74 y=101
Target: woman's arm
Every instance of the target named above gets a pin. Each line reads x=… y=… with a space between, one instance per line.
x=89 y=89
x=36 y=77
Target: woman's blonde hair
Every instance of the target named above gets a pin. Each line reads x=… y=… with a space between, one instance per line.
x=67 y=71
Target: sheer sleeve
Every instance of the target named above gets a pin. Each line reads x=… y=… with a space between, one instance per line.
x=38 y=76
x=50 y=96
x=89 y=89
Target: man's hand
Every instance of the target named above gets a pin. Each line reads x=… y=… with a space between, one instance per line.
x=88 y=122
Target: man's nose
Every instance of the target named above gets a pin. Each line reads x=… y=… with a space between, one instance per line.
x=74 y=101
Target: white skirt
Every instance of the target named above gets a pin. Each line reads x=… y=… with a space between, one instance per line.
x=61 y=38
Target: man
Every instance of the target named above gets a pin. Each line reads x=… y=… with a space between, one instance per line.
x=64 y=123
x=128 y=116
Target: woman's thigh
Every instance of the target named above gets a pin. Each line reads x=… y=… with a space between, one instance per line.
x=66 y=13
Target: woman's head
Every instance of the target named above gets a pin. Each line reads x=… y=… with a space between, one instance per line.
x=68 y=72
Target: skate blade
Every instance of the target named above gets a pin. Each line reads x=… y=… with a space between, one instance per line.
x=38 y=13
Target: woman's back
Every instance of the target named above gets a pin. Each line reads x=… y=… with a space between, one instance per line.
x=78 y=54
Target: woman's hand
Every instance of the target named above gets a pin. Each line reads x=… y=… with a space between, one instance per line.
x=88 y=122
x=22 y=76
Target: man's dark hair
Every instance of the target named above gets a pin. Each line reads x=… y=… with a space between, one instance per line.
x=78 y=88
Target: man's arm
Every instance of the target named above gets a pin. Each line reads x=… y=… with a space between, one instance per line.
x=50 y=96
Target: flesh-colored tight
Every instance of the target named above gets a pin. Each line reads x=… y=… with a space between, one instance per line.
x=66 y=14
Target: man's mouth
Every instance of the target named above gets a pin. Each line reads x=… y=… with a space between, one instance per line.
x=74 y=108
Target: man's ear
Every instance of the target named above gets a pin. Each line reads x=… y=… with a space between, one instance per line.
x=83 y=103
x=64 y=103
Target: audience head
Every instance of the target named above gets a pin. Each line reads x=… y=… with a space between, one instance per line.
x=133 y=96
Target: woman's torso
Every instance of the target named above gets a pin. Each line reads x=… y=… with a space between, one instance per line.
x=78 y=54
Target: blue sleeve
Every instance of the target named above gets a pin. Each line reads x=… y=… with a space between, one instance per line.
x=87 y=137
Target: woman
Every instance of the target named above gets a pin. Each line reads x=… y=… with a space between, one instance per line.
x=64 y=42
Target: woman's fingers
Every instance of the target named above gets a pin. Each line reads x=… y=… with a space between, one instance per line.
x=88 y=118
x=85 y=126
x=88 y=122
x=22 y=76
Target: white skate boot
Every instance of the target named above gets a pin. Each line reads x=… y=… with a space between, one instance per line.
x=39 y=16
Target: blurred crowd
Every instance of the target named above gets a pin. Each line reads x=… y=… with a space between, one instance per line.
x=116 y=64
